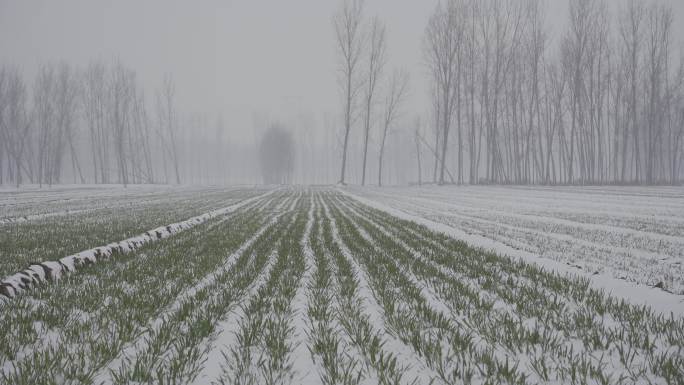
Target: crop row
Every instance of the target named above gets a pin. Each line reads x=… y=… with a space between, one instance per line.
x=29 y=205
x=51 y=238
x=516 y=322
x=90 y=324
x=311 y=286
x=628 y=235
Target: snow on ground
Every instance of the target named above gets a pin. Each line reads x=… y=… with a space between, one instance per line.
x=45 y=271
x=129 y=352
x=33 y=203
x=627 y=240
x=302 y=368
x=416 y=371
x=416 y=305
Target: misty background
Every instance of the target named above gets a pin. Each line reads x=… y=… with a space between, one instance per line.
x=241 y=67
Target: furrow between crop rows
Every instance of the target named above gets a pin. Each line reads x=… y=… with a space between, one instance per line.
x=318 y=286
x=91 y=316
x=553 y=316
x=46 y=271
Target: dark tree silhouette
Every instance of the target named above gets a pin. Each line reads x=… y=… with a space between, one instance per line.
x=277 y=156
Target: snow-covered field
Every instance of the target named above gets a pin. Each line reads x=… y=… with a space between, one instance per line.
x=315 y=286
x=46 y=224
x=33 y=202
x=630 y=233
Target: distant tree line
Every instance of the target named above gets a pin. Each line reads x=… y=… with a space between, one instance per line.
x=97 y=115
x=605 y=106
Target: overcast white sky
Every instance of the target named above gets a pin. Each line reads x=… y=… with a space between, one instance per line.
x=234 y=57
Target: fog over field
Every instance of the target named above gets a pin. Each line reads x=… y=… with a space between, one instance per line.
x=239 y=67
x=342 y=192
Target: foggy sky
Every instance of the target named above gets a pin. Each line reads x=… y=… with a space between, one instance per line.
x=239 y=58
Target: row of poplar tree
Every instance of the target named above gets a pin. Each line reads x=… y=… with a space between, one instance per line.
x=97 y=116
x=603 y=103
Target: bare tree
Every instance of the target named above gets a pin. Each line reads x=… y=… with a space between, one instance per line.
x=576 y=48
x=166 y=112
x=416 y=139
x=14 y=121
x=534 y=49
x=501 y=29
x=435 y=103
x=120 y=100
x=67 y=90
x=94 y=99
x=471 y=84
x=47 y=138
x=349 y=36
x=396 y=93
x=375 y=64
x=3 y=106
x=142 y=146
x=676 y=122
x=631 y=25
x=659 y=30
x=443 y=38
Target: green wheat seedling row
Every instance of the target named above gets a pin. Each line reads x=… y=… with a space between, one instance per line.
x=53 y=238
x=446 y=349
x=380 y=300
x=619 y=344
x=23 y=207
x=88 y=342
x=331 y=349
x=423 y=271
x=67 y=297
x=422 y=274
x=263 y=348
x=174 y=351
x=510 y=328
x=369 y=337
x=597 y=320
